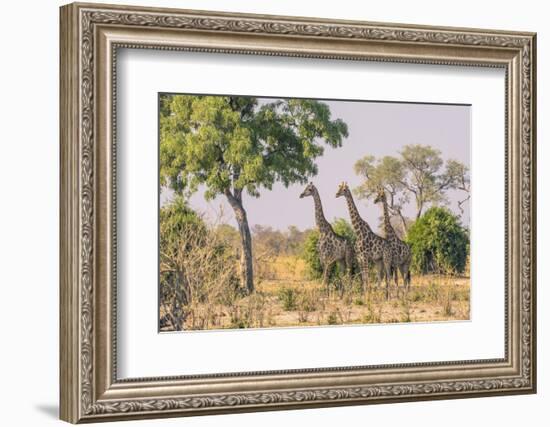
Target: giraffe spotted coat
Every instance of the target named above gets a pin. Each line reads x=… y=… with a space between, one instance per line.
x=332 y=247
x=370 y=248
x=401 y=252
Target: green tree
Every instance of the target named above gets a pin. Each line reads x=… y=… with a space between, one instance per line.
x=344 y=229
x=233 y=145
x=419 y=174
x=439 y=243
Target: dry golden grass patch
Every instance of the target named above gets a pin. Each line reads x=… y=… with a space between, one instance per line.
x=290 y=299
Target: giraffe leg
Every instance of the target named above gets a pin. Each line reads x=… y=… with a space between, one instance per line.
x=407 y=274
x=404 y=272
x=323 y=279
x=365 y=276
x=380 y=271
x=395 y=276
x=349 y=268
x=342 y=267
x=387 y=268
x=326 y=276
x=385 y=264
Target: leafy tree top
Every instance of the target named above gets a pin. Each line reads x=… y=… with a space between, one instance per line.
x=235 y=144
x=418 y=173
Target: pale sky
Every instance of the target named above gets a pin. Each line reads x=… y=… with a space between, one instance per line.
x=375 y=128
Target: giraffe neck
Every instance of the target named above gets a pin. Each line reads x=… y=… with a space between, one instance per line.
x=356 y=221
x=320 y=219
x=387 y=223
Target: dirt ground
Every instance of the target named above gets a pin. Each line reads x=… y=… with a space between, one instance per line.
x=286 y=301
x=430 y=298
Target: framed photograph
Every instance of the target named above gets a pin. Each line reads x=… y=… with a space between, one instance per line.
x=265 y=212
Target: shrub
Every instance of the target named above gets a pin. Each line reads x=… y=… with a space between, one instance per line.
x=175 y=219
x=308 y=300
x=288 y=299
x=439 y=243
x=374 y=311
x=344 y=229
x=311 y=255
x=196 y=266
x=332 y=318
x=307 y=303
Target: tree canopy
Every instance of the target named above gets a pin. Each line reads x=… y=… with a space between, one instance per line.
x=237 y=143
x=419 y=174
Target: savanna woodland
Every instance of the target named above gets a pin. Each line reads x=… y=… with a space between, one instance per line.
x=412 y=264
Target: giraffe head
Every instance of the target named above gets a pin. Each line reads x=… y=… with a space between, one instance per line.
x=343 y=189
x=308 y=191
x=380 y=196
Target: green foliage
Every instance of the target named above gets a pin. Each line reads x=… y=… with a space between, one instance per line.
x=438 y=242
x=175 y=219
x=343 y=228
x=236 y=143
x=385 y=172
x=419 y=174
x=310 y=252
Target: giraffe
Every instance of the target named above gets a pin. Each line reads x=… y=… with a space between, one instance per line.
x=332 y=247
x=401 y=252
x=369 y=247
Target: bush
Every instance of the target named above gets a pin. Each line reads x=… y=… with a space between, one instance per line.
x=288 y=298
x=196 y=266
x=311 y=255
x=439 y=243
x=308 y=300
x=311 y=252
x=175 y=219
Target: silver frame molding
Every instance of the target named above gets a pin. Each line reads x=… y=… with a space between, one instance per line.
x=90 y=37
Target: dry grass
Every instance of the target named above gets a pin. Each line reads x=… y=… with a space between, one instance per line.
x=431 y=298
x=287 y=299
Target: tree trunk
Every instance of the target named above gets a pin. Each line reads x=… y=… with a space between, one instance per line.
x=419 y=203
x=247 y=273
x=419 y=208
x=404 y=221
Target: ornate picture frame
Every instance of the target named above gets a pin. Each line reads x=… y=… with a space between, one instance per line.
x=90 y=37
